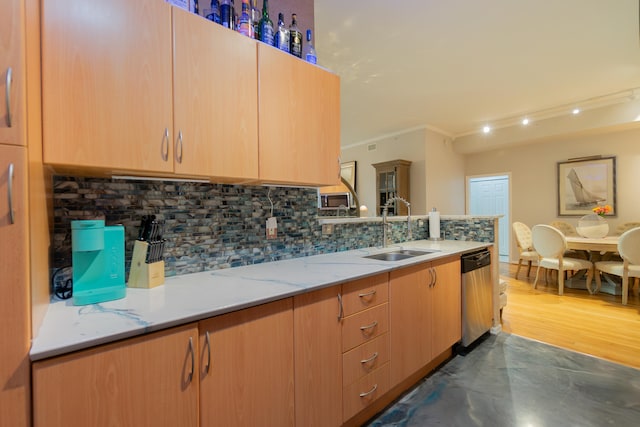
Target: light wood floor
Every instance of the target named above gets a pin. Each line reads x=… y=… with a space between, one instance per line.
x=598 y=325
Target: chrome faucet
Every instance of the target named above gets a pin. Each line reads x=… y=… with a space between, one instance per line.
x=385 y=211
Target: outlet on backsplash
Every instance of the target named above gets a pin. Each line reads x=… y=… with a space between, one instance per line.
x=327 y=229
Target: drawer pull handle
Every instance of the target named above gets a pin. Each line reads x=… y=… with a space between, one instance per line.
x=371 y=359
x=375 y=387
x=207 y=340
x=193 y=360
x=341 y=308
x=164 y=148
x=368 y=294
x=7 y=96
x=12 y=219
x=371 y=326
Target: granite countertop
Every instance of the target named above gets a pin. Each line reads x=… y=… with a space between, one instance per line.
x=191 y=297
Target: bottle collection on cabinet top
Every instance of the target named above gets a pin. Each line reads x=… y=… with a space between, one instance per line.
x=258 y=25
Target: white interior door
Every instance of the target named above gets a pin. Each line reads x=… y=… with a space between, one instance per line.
x=489 y=195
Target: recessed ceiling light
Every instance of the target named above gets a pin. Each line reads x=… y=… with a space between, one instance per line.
x=486 y=129
x=575 y=111
x=525 y=121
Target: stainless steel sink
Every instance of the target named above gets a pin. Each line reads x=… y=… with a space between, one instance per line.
x=400 y=254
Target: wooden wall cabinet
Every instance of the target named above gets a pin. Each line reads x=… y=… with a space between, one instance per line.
x=149 y=380
x=299 y=133
x=392 y=180
x=148 y=88
x=12 y=73
x=247 y=367
x=425 y=303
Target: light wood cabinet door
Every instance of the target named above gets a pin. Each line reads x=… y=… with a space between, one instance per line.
x=446 y=306
x=410 y=320
x=12 y=72
x=318 y=358
x=215 y=99
x=247 y=367
x=299 y=120
x=142 y=381
x=15 y=406
x=106 y=84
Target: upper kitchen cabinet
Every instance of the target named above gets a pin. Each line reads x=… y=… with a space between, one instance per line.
x=12 y=69
x=107 y=84
x=299 y=126
x=215 y=87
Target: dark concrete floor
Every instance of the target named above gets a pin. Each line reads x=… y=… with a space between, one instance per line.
x=512 y=381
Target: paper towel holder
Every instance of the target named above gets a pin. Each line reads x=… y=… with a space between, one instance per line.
x=434 y=238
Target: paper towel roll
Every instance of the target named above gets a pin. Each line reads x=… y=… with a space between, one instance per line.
x=434 y=225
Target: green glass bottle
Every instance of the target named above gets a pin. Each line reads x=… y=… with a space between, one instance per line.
x=266 y=26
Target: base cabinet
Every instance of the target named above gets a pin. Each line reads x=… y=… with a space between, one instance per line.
x=144 y=381
x=425 y=320
x=318 y=358
x=247 y=365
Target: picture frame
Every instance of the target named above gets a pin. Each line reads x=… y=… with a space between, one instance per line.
x=585 y=183
x=348 y=172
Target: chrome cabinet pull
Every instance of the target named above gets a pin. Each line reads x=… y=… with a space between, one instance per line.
x=179 y=147
x=193 y=360
x=371 y=359
x=365 y=394
x=367 y=294
x=12 y=218
x=8 y=94
x=371 y=326
x=165 y=145
x=341 y=308
x=207 y=341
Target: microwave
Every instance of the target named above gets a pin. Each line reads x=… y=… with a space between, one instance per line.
x=335 y=201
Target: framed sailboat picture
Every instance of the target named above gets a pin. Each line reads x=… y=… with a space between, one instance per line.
x=585 y=183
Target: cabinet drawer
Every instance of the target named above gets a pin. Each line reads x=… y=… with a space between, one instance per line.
x=365 y=391
x=365 y=293
x=364 y=359
x=364 y=326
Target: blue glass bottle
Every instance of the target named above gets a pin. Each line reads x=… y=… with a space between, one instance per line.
x=213 y=13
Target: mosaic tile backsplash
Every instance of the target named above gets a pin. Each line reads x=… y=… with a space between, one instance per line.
x=211 y=226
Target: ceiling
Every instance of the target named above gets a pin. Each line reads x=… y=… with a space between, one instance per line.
x=456 y=65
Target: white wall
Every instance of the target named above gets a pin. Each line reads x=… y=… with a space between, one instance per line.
x=534 y=174
x=437 y=173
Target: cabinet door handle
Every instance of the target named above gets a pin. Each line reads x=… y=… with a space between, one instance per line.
x=435 y=276
x=179 y=147
x=193 y=360
x=165 y=145
x=371 y=359
x=430 y=277
x=12 y=218
x=367 y=294
x=370 y=326
x=339 y=169
x=207 y=341
x=8 y=94
x=367 y=393
x=340 y=307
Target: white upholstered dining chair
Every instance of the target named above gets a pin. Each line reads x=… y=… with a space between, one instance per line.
x=522 y=234
x=551 y=245
x=629 y=250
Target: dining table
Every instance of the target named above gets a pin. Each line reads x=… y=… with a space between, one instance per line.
x=597 y=248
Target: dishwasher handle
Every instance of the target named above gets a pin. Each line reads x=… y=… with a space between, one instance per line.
x=475 y=260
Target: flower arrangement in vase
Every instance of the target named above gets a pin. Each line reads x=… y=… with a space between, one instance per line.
x=602 y=210
x=594 y=225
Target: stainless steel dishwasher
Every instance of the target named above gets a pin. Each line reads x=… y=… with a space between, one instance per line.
x=477 y=295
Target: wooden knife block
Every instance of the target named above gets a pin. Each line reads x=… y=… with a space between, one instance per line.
x=141 y=274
